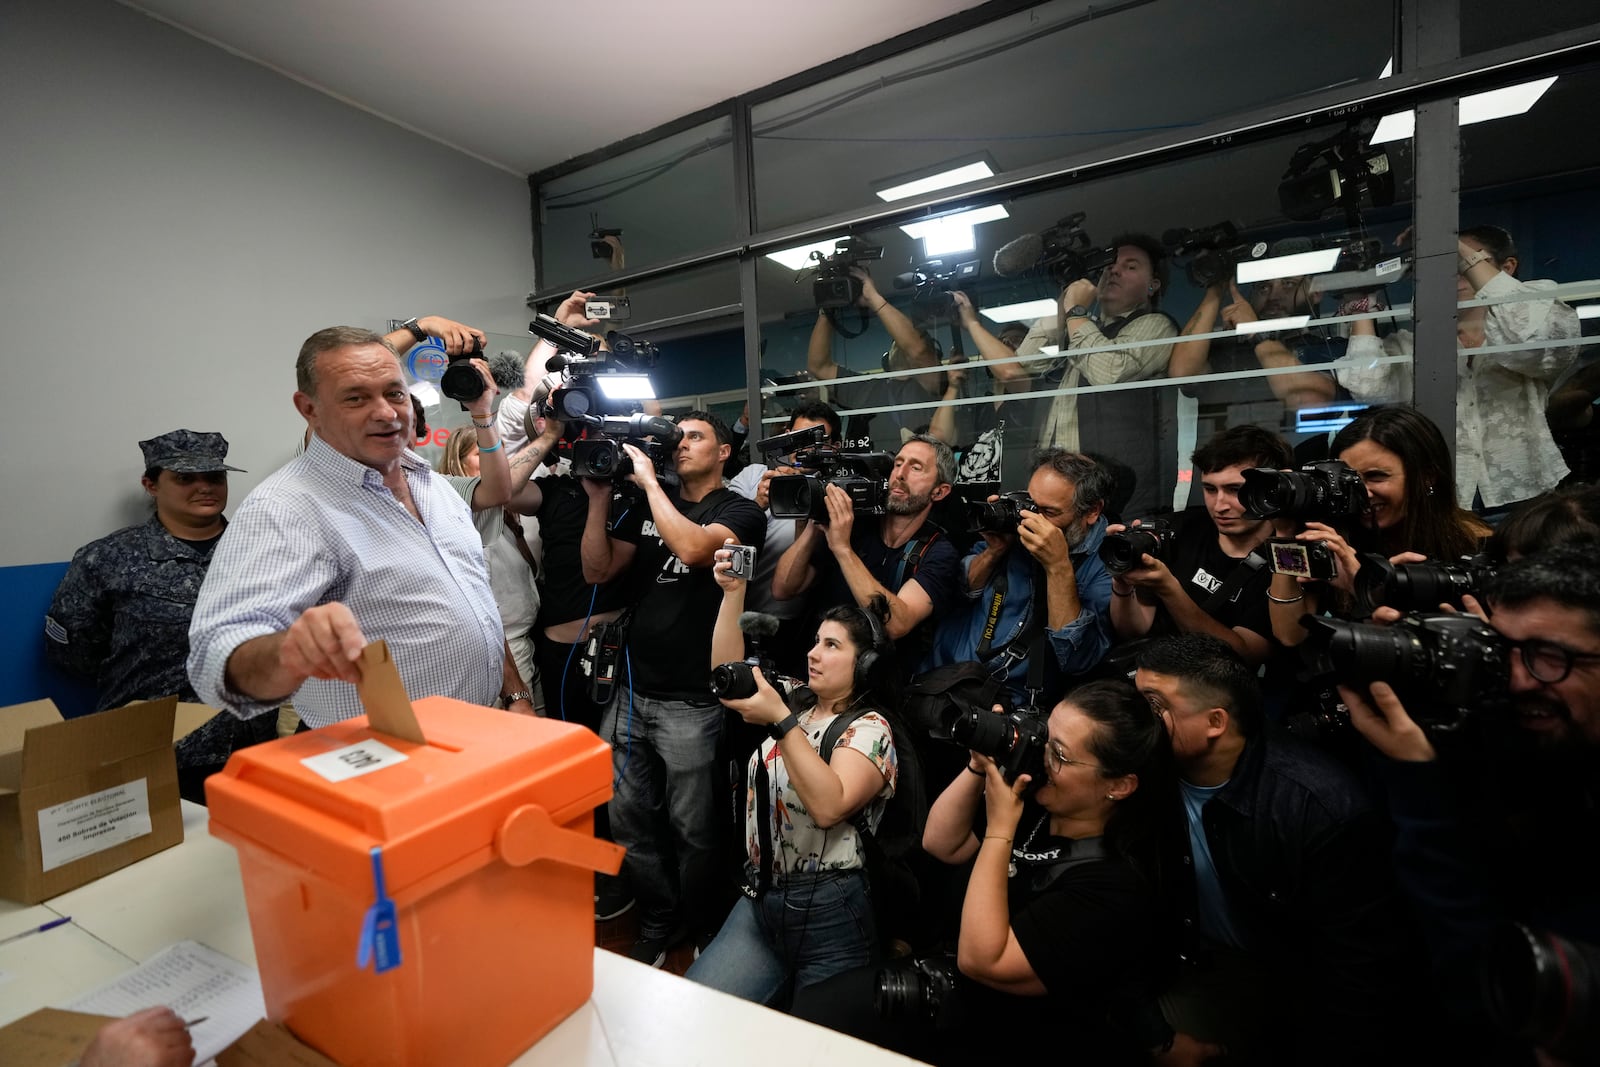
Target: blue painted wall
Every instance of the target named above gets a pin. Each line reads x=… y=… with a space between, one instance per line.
x=26 y=594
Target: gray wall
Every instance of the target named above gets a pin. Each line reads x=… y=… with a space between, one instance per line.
x=174 y=221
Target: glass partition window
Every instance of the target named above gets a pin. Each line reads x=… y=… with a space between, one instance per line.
x=641 y=207
x=1132 y=318
x=1529 y=292
x=1043 y=84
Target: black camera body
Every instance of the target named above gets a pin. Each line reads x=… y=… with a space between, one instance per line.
x=774 y=448
x=1001 y=515
x=1212 y=252
x=1069 y=254
x=582 y=395
x=832 y=284
x=1443 y=667
x=604 y=459
x=1302 y=559
x=864 y=476
x=1422 y=586
x=1015 y=740
x=1124 y=551
x=1327 y=491
x=922 y=988
x=934 y=280
x=737 y=680
x=461 y=380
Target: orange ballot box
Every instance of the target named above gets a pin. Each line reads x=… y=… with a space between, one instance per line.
x=420 y=901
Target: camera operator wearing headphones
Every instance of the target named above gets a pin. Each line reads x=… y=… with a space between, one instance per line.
x=663 y=725
x=909 y=347
x=1505 y=828
x=901 y=556
x=806 y=914
x=1060 y=924
x=1054 y=596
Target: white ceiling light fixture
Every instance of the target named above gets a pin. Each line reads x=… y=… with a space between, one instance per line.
x=1292 y=322
x=1479 y=107
x=800 y=258
x=1297 y=265
x=948 y=234
x=1388 y=69
x=1589 y=311
x=1022 y=312
x=943 y=179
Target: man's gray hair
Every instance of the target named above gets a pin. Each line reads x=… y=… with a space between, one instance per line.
x=944 y=459
x=305 y=367
x=1091 y=482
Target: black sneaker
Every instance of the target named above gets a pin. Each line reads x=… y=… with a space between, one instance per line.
x=650 y=951
x=611 y=897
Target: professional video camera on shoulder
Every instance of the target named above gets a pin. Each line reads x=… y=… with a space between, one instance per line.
x=597 y=378
x=832 y=284
x=1212 y=253
x=863 y=475
x=1328 y=491
x=1064 y=252
x=603 y=457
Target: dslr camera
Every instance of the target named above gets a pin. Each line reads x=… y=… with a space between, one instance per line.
x=832 y=284
x=1015 y=740
x=1421 y=586
x=595 y=382
x=1328 y=491
x=864 y=476
x=737 y=680
x=1443 y=667
x=1000 y=515
x=922 y=988
x=603 y=457
x=1121 y=552
x=1302 y=559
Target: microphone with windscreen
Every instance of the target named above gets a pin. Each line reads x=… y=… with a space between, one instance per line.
x=1017 y=257
x=737 y=681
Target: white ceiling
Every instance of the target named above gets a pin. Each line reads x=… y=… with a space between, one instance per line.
x=525 y=85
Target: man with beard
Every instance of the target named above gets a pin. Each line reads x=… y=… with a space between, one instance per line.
x=1054 y=596
x=1503 y=829
x=1270 y=400
x=902 y=556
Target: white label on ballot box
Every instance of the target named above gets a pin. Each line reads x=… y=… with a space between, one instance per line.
x=353 y=761
x=92 y=823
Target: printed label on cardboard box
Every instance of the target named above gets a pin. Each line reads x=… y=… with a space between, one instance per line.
x=353 y=761
x=93 y=823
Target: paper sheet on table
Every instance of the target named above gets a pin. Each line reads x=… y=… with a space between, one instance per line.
x=194 y=981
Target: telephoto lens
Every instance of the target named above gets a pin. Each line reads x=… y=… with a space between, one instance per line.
x=1543 y=988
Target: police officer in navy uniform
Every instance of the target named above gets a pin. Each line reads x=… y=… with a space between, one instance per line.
x=121 y=613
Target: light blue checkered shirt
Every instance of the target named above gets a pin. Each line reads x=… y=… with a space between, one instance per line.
x=324 y=528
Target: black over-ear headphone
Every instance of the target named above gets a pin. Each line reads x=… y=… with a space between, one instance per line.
x=869 y=660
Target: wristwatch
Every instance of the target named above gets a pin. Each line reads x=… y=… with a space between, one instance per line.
x=1077 y=311
x=512 y=698
x=783 y=726
x=416 y=331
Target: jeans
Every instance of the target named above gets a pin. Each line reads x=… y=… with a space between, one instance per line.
x=664 y=809
x=812 y=927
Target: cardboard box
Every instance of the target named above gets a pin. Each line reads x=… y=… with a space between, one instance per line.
x=80 y=798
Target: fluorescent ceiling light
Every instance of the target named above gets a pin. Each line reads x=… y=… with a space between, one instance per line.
x=800 y=258
x=953 y=233
x=1028 y=309
x=1479 y=107
x=626 y=386
x=1293 y=322
x=1589 y=311
x=1296 y=266
x=942 y=180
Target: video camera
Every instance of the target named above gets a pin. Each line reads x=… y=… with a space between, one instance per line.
x=778 y=448
x=1443 y=667
x=1327 y=491
x=595 y=382
x=1421 y=586
x=1341 y=170
x=461 y=380
x=1069 y=254
x=1001 y=515
x=934 y=280
x=832 y=284
x=1121 y=552
x=863 y=475
x=598 y=248
x=603 y=457
x=1212 y=253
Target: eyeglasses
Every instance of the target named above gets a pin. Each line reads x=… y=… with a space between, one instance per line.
x=1549 y=662
x=1057 y=760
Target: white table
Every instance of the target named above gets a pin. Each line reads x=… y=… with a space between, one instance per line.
x=636 y=1016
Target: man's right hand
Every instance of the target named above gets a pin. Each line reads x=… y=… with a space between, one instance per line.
x=596 y=488
x=764 y=488
x=323 y=643
x=571 y=311
x=457 y=337
x=1241 y=310
x=964 y=308
x=870 y=297
x=155 y=1037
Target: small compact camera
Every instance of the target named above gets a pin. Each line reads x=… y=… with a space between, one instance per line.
x=1302 y=559
x=611 y=307
x=743 y=562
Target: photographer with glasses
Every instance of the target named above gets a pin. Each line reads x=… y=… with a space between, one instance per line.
x=1499 y=820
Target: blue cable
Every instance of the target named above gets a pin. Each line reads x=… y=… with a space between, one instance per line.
x=583 y=633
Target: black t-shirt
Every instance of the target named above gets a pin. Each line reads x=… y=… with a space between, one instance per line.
x=563 y=594
x=1200 y=565
x=675 y=605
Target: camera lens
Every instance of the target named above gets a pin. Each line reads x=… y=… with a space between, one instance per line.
x=1122 y=552
x=983 y=732
x=733 y=681
x=899 y=993
x=1268 y=492
x=461 y=381
x=796 y=496
x=1542 y=987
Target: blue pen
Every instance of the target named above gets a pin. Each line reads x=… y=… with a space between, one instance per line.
x=51 y=925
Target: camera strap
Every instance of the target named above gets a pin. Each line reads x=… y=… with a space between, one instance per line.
x=911 y=556
x=1241 y=575
x=1029 y=642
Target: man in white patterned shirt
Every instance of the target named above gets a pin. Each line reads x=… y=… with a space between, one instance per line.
x=354 y=540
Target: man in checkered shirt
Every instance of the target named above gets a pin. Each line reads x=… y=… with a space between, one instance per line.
x=354 y=540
